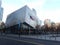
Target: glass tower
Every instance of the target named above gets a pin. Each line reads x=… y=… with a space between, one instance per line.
x=1 y=11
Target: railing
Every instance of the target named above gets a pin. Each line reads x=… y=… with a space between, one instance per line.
x=47 y=35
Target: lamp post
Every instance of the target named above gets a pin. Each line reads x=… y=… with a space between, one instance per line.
x=19 y=25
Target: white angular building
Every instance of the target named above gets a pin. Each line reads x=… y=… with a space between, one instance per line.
x=22 y=15
x=1 y=11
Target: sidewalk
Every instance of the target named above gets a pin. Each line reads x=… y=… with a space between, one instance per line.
x=44 y=37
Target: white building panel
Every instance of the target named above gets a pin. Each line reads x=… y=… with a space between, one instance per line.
x=24 y=14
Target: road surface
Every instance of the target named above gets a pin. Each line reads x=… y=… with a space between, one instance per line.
x=4 y=41
x=11 y=40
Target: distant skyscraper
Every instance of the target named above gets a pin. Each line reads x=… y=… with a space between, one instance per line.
x=1 y=11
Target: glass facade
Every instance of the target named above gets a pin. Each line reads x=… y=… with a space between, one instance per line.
x=1 y=11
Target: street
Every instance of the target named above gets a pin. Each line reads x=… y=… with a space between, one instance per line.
x=11 y=40
x=4 y=41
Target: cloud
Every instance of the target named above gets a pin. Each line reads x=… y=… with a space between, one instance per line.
x=35 y=3
x=42 y=12
x=54 y=15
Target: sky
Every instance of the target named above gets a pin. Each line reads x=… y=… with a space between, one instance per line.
x=46 y=9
